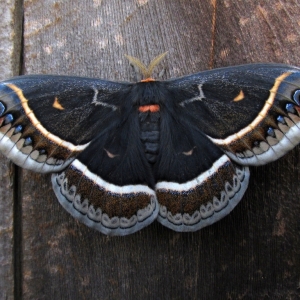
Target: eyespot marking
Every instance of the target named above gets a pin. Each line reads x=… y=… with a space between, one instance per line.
x=2 y=108
x=296 y=97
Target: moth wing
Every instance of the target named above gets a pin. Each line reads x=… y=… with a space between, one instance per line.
x=46 y=121
x=218 y=119
x=197 y=184
x=252 y=112
x=110 y=185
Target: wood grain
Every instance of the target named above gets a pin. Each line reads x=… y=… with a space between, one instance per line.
x=251 y=254
x=10 y=45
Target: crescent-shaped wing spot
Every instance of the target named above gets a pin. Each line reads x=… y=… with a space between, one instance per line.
x=239 y=97
x=57 y=105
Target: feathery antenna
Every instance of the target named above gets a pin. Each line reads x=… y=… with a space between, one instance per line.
x=146 y=70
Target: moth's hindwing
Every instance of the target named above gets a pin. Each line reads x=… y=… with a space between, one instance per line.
x=203 y=200
x=108 y=187
x=197 y=184
x=111 y=209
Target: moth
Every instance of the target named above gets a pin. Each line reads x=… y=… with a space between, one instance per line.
x=178 y=151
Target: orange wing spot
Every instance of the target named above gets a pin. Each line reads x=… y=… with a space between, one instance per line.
x=239 y=97
x=57 y=105
x=151 y=108
x=147 y=79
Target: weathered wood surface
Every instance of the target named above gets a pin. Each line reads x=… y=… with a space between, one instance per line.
x=10 y=42
x=251 y=254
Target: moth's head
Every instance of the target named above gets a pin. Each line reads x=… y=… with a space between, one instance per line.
x=146 y=70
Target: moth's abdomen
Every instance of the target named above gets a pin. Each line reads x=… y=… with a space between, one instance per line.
x=149 y=117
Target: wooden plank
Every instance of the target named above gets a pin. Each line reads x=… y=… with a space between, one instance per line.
x=10 y=37
x=252 y=253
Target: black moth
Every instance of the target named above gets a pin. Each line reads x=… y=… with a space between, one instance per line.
x=177 y=151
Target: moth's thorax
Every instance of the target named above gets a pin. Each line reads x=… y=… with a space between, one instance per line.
x=148 y=93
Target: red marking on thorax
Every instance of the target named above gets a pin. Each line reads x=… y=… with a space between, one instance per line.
x=147 y=79
x=152 y=108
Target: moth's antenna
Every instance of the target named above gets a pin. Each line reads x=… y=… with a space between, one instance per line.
x=137 y=63
x=146 y=71
x=154 y=62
